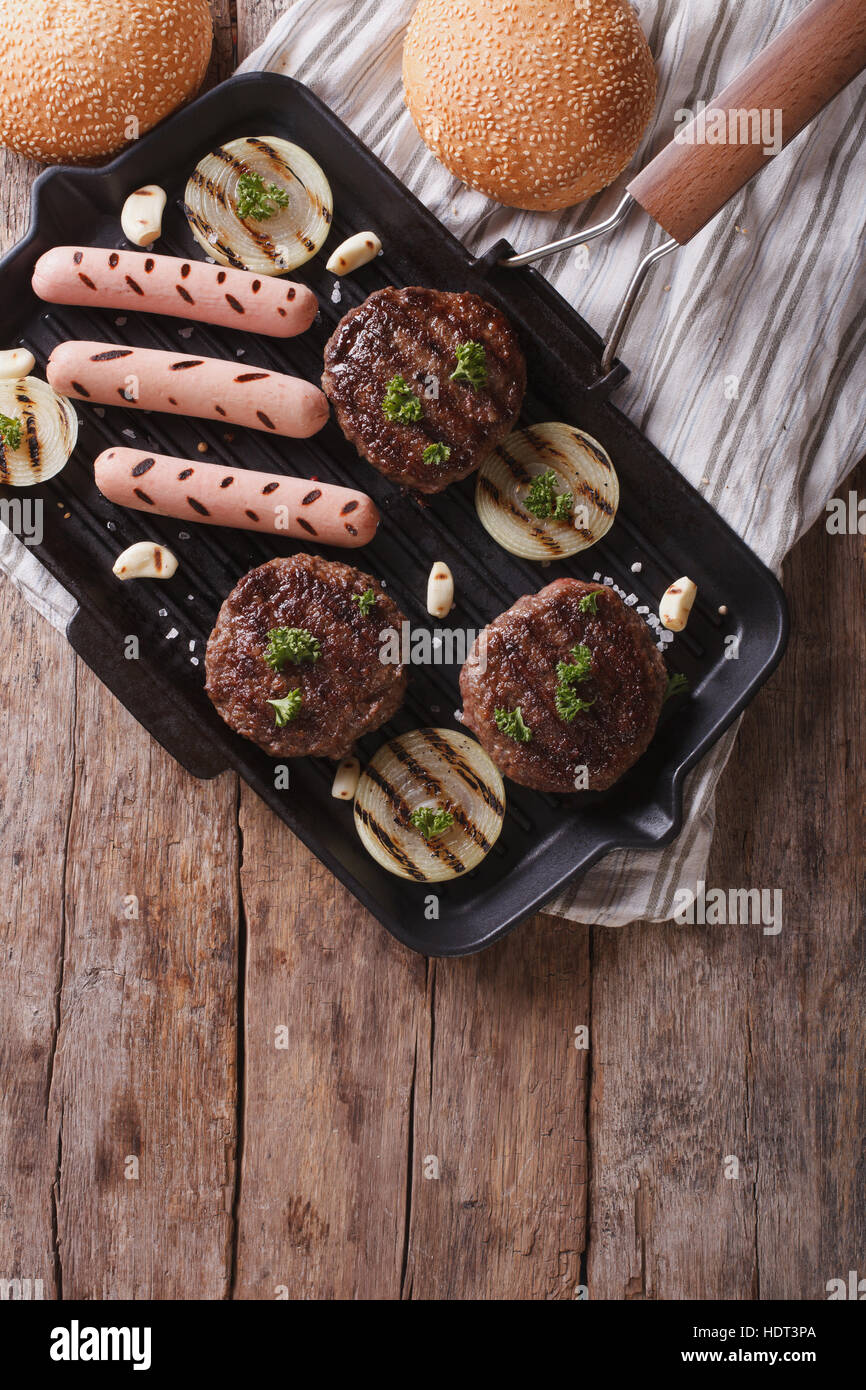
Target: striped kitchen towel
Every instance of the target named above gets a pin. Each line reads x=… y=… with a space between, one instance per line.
x=770 y=294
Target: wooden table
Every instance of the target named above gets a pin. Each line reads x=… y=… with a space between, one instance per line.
x=221 y=1079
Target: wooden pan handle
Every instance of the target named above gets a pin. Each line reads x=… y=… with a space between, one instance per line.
x=792 y=80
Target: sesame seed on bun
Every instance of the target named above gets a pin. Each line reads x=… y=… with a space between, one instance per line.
x=82 y=78
x=536 y=103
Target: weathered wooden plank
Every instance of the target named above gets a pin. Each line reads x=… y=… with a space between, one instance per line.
x=333 y=1007
x=721 y=1041
x=500 y=1116
x=144 y=1078
x=37 y=699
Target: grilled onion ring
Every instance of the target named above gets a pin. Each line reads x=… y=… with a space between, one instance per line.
x=444 y=770
x=582 y=468
x=49 y=430
x=276 y=244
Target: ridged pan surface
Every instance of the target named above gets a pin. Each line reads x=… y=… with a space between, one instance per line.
x=662 y=523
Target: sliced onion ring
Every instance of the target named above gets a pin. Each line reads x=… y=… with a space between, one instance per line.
x=49 y=430
x=582 y=467
x=279 y=243
x=443 y=770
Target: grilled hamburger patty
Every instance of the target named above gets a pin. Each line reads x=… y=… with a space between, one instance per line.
x=627 y=683
x=415 y=333
x=347 y=692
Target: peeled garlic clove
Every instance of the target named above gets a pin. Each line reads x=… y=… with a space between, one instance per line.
x=360 y=249
x=141 y=218
x=145 y=560
x=16 y=363
x=440 y=591
x=677 y=604
x=346 y=779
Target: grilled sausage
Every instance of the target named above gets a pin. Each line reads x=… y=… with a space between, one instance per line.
x=192 y=290
x=218 y=496
x=208 y=387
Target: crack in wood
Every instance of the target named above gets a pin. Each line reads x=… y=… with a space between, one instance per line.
x=240 y=1058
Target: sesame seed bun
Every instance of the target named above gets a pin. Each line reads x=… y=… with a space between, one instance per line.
x=536 y=103
x=82 y=78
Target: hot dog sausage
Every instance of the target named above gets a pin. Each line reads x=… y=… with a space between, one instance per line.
x=218 y=496
x=92 y=275
x=213 y=389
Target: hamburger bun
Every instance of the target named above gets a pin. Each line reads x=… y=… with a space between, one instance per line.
x=536 y=103
x=80 y=80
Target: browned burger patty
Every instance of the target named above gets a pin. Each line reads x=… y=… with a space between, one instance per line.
x=415 y=333
x=347 y=692
x=626 y=684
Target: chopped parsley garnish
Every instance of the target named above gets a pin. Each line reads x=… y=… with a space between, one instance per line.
x=510 y=722
x=291 y=644
x=430 y=823
x=677 y=685
x=569 y=674
x=10 y=431
x=436 y=453
x=401 y=406
x=288 y=708
x=365 y=602
x=471 y=365
x=257 y=200
x=544 y=501
x=589 y=602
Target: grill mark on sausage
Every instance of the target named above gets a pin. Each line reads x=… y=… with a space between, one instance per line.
x=148 y=265
x=113 y=259
x=172 y=400
x=292 y=294
x=184 y=474
x=186 y=363
x=78 y=258
x=184 y=270
x=305 y=525
x=253 y=516
x=311 y=497
x=226 y=482
x=265 y=421
x=143 y=466
x=86 y=280
x=235 y=304
x=134 y=285
x=82 y=391
x=221 y=277
x=218 y=408
x=142 y=495
x=252 y=376
x=269 y=488
x=185 y=294
x=349 y=507
x=281 y=311
x=197 y=507
x=352 y=530
x=111 y=355
x=256 y=286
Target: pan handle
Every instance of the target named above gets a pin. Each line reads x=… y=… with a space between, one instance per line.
x=809 y=63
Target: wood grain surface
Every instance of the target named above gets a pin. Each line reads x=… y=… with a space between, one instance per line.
x=221 y=1078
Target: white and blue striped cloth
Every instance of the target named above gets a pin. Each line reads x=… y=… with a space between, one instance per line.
x=770 y=293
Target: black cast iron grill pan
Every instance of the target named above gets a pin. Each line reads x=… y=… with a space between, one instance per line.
x=662 y=522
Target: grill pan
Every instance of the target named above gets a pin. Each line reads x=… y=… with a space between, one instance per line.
x=662 y=522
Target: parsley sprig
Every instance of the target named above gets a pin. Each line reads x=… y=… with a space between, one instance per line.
x=10 y=431
x=677 y=685
x=288 y=708
x=291 y=644
x=436 y=453
x=569 y=704
x=589 y=603
x=544 y=501
x=365 y=602
x=257 y=200
x=471 y=365
x=430 y=823
x=401 y=406
x=511 y=722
